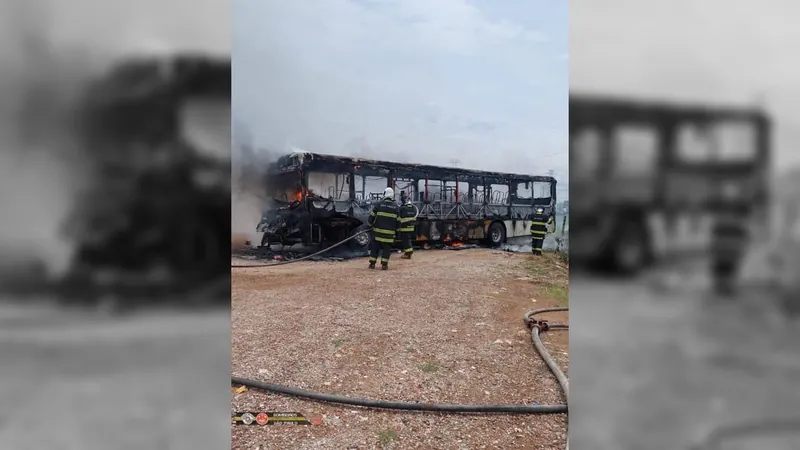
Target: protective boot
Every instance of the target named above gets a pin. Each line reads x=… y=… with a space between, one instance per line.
x=371 y=265
x=384 y=266
x=406 y=255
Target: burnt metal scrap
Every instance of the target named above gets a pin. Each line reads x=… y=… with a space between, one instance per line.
x=370 y=167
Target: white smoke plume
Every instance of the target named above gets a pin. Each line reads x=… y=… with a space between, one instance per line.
x=41 y=165
x=249 y=196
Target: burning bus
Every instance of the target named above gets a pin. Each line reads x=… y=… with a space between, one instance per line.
x=320 y=199
x=642 y=169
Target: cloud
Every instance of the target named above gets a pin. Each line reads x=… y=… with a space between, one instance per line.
x=428 y=80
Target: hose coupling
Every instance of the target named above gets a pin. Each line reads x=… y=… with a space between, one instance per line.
x=541 y=324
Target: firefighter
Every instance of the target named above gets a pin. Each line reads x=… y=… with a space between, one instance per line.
x=539 y=224
x=729 y=237
x=407 y=224
x=384 y=221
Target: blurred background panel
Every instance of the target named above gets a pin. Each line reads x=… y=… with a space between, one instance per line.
x=684 y=211
x=115 y=197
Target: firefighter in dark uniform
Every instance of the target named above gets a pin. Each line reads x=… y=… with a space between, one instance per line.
x=385 y=221
x=539 y=223
x=408 y=223
x=729 y=241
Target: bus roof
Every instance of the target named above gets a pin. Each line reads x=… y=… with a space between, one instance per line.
x=617 y=108
x=344 y=164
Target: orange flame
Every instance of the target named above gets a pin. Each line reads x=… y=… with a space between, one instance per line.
x=299 y=194
x=457 y=244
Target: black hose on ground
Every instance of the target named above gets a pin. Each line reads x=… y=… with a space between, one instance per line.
x=432 y=407
x=304 y=257
x=407 y=406
x=536 y=328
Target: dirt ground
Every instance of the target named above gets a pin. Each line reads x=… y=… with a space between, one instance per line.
x=76 y=381
x=444 y=327
x=705 y=362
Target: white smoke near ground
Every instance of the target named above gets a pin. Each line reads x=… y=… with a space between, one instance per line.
x=41 y=167
x=523 y=244
x=249 y=190
x=37 y=194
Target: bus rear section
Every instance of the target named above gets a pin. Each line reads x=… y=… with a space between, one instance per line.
x=458 y=208
x=319 y=199
x=650 y=179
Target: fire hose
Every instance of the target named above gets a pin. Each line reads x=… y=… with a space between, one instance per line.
x=536 y=328
x=281 y=263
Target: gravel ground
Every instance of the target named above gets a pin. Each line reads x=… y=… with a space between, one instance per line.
x=72 y=380
x=661 y=369
x=444 y=327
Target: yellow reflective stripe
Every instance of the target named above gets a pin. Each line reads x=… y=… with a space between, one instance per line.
x=406 y=219
x=408 y=250
x=372 y=213
x=387 y=214
x=384 y=260
x=539 y=223
x=542 y=233
x=382 y=231
x=372 y=259
x=407 y=230
x=382 y=239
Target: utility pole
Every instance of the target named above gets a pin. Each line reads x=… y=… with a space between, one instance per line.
x=455 y=162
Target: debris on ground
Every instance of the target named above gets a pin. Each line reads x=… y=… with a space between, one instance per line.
x=265 y=253
x=336 y=254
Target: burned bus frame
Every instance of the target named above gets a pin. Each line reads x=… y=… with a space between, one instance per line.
x=445 y=213
x=615 y=211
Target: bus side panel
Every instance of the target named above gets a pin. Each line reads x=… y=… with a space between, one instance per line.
x=457 y=230
x=517 y=228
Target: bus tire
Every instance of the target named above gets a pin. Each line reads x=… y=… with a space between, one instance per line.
x=496 y=234
x=630 y=248
x=362 y=242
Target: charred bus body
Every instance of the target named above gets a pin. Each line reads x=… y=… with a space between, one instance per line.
x=323 y=199
x=639 y=168
x=158 y=132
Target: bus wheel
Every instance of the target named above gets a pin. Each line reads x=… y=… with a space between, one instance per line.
x=497 y=234
x=361 y=242
x=630 y=249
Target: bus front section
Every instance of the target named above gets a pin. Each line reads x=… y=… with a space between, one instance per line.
x=285 y=217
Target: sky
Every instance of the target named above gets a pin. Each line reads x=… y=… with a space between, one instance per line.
x=141 y=26
x=480 y=84
x=734 y=52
